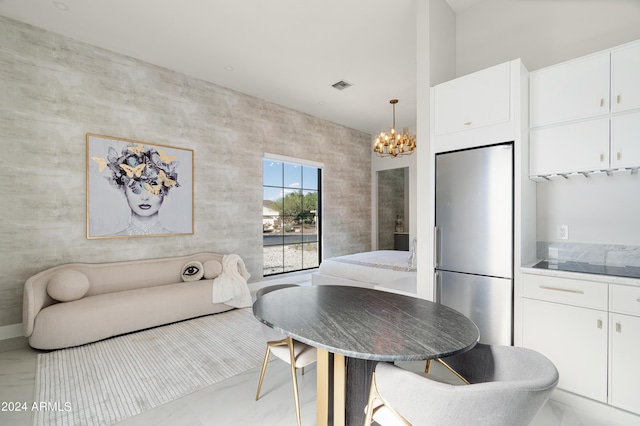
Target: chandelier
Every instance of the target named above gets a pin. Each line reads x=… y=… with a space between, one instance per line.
x=392 y=143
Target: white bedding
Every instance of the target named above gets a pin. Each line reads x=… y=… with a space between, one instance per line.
x=374 y=267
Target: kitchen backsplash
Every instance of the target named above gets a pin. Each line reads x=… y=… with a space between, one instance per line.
x=601 y=254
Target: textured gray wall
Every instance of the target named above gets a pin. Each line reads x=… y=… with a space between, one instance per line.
x=55 y=90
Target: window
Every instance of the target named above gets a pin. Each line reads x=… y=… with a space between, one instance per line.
x=290 y=216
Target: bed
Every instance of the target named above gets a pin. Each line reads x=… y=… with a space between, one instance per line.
x=388 y=270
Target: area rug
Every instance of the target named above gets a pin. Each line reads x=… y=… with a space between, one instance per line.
x=108 y=381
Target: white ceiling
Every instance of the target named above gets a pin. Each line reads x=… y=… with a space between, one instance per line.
x=285 y=51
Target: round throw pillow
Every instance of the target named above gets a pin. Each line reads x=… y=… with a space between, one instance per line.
x=212 y=268
x=68 y=285
x=192 y=271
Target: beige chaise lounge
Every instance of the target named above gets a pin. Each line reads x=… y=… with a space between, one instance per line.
x=101 y=300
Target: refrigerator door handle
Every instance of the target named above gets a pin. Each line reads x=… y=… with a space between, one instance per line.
x=436 y=247
x=437 y=288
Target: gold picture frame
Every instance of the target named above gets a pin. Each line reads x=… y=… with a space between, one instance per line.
x=138 y=189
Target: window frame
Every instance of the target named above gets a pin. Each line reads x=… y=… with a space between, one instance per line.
x=285 y=160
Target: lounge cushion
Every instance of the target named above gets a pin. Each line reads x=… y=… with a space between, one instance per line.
x=68 y=285
x=93 y=318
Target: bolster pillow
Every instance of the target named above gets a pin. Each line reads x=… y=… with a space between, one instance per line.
x=192 y=271
x=68 y=285
x=212 y=268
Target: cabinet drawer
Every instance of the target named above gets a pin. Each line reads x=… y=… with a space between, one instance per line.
x=589 y=294
x=624 y=299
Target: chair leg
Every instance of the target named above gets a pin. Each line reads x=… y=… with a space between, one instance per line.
x=374 y=395
x=294 y=377
x=448 y=367
x=264 y=368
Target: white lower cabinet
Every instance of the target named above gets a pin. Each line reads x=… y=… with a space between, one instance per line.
x=591 y=332
x=574 y=339
x=624 y=347
x=624 y=372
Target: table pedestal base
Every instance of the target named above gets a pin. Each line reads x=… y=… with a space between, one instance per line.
x=359 y=373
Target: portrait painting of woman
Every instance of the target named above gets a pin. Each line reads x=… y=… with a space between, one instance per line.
x=137 y=189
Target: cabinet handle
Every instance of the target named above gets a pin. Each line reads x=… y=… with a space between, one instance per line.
x=601 y=102
x=618 y=98
x=601 y=158
x=468 y=123
x=568 y=290
x=638 y=300
x=618 y=155
x=599 y=322
x=619 y=327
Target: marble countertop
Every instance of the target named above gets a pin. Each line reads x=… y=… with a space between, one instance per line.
x=366 y=323
x=554 y=270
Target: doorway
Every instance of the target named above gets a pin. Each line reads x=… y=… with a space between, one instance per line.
x=393 y=209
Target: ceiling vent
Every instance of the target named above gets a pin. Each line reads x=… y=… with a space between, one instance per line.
x=341 y=85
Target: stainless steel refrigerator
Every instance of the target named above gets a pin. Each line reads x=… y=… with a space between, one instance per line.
x=474 y=237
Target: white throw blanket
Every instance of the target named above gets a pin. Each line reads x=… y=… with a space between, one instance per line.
x=230 y=287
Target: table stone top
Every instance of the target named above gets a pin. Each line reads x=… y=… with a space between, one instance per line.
x=367 y=324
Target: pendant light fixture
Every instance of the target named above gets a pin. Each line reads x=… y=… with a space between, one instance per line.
x=392 y=143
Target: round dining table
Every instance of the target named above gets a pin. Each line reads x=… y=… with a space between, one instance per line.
x=353 y=329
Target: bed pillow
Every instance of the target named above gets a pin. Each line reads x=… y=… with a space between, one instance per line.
x=68 y=285
x=212 y=268
x=192 y=271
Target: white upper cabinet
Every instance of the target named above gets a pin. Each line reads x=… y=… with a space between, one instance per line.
x=625 y=74
x=625 y=140
x=573 y=105
x=475 y=100
x=577 y=147
x=570 y=91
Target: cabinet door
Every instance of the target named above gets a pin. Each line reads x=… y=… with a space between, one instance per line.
x=475 y=100
x=579 y=147
x=574 y=339
x=624 y=369
x=625 y=69
x=570 y=91
x=625 y=140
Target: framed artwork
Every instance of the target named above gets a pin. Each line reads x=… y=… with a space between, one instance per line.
x=138 y=188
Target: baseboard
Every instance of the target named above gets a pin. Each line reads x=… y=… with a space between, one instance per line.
x=10 y=331
x=594 y=409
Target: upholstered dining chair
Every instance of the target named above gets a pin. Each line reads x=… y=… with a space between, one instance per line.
x=507 y=385
x=296 y=354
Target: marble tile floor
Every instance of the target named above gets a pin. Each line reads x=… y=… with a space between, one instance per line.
x=230 y=402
